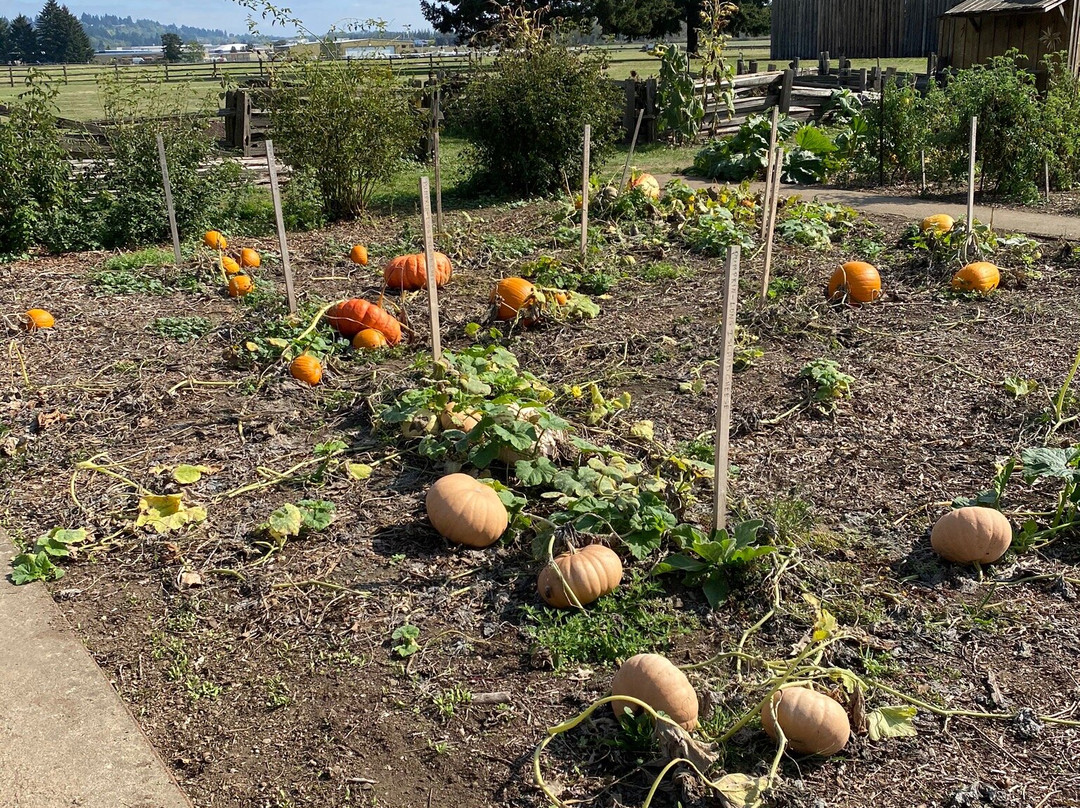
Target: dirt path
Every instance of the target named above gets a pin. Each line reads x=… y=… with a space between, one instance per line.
x=1033 y=222
x=65 y=736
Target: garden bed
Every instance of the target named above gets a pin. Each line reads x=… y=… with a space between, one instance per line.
x=275 y=678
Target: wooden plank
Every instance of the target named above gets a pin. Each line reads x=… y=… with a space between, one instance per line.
x=432 y=271
x=438 y=161
x=169 y=199
x=774 y=200
x=283 y=242
x=971 y=179
x=585 y=190
x=785 y=90
x=766 y=198
x=723 y=393
x=630 y=154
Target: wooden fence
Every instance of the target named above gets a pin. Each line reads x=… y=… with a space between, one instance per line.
x=859 y=29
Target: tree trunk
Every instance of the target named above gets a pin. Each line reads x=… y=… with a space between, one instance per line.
x=693 y=21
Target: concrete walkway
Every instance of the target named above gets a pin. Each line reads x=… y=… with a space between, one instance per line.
x=66 y=738
x=1031 y=222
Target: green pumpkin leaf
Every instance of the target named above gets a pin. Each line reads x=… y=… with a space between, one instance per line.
x=359 y=471
x=186 y=474
x=164 y=513
x=892 y=722
x=285 y=521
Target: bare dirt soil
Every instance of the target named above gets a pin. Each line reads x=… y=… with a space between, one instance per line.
x=275 y=682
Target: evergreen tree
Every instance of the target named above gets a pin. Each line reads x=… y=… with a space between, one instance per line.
x=635 y=19
x=78 y=50
x=193 y=52
x=466 y=18
x=5 y=40
x=23 y=39
x=754 y=18
x=52 y=33
x=174 y=47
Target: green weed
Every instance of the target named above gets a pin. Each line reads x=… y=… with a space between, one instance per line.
x=181 y=329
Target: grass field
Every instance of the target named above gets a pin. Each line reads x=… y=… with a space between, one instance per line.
x=79 y=97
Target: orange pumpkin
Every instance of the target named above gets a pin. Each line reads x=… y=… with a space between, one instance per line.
x=858 y=281
x=230 y=266
x=590 y=573
x=562 y=298
x=514 y=295
x=307 y=369
x=359 y=255
x=972 y=534
x=981 y=276
x=648 y=185
x=369 y=339
x=350 y=317
x=409 y=272
x=38 y=318
x=214 y=240
x=249 y=258
x=240 y=285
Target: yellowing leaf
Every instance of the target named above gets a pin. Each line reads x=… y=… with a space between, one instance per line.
x=167 y=512
x=892 y=722
x=186 y=474
x=742 y=791
x=251 y=346
x=285 y=521
x=277 y=342
x=642 y=429
x=359 y=471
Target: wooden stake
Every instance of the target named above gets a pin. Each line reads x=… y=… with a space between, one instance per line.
x=1046 y=176
x=769 y=171
x=630 y=154
x=971 y=178
x=585 y=191
x=438 y=163
x=723 y=393
x=774 y=201
x=275 y=192
x=922 y=170
x=168 y=198
x=429 y=261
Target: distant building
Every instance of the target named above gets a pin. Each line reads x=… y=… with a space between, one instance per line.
x=144 y=53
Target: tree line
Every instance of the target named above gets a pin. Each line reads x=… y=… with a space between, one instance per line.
x=55 y=37
x=627 y=19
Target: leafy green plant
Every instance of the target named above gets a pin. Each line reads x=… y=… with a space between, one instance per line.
x=293 y=521
x=714 y=232
x=1019 y=387
x=181 y=329
x=815 y=224
x=714 y=562
x=38 y=563
x=407 y=637
x=743 y=155
x=828 y=384
x=681 y=110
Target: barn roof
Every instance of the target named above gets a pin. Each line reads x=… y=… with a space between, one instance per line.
x=1003 y=6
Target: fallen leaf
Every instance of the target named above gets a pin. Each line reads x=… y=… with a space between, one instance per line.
x=189 y=578
x=167 y=512
x=892 y=722
x=642 y=429
x=186 y=474
x=675 y=742
x=359 y=471
x=742 y=791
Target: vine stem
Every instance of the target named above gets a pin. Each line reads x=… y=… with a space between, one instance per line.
x=569 y=590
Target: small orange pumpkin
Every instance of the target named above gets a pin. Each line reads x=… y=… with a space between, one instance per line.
x=561 y=298
x=813 y=723
x=250 y=258
x=369 y=340
x=653 y=679
x=648 y=184
x=409 y=272
x=38 y=318
x=591 y=573
x=981 y=276
x=214 y=240
x=240 y=285
x=307 y=369
x=350 y=317
x=939 y=223
x=857 y=280
x=359 y=255
x=514 y=295
x=229 y=264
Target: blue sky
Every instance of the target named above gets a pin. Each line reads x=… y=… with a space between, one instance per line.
x=318 y=15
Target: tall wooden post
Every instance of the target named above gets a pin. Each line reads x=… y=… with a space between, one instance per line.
x=283 y=243
x=769 y=172
x=432 y=274
x=630 y=154
x=436 y=111
x=723 y=393
x=585 y=190
x=774 y=201
x=971 y=178
x=169 y=198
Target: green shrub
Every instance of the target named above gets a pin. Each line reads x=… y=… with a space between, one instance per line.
x=347 y=124
x=897 y=130
x=1061 y=121
x=525 y=119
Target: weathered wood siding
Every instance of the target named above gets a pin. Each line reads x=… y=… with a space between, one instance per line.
x=857 y=29
x=971 y=40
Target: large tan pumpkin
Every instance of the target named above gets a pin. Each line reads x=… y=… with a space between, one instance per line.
x=653 y=679
x=971 y=534
x=591 y=573
x=466 y=511
x=813 y=723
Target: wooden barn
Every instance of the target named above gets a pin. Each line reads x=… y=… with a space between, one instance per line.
x=976 y=30
x=856 y=29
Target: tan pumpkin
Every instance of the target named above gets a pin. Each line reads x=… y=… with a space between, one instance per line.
x=653 y=679
x=350 y=317
x=307 y=369
x=409 y=272
x=240 y=285
x=591 y=573
x=648 y=184
x=229 y=265
x=858 y=281
x=981 y=276
x=971 y=534
x=813 y=723
x=38 y=318
x=466 y=421
x=369 y=340
x=358 y=254
x=466 y=511
x=250 y=258
x=939 y=223
x=513 y=295
x=214 y=240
